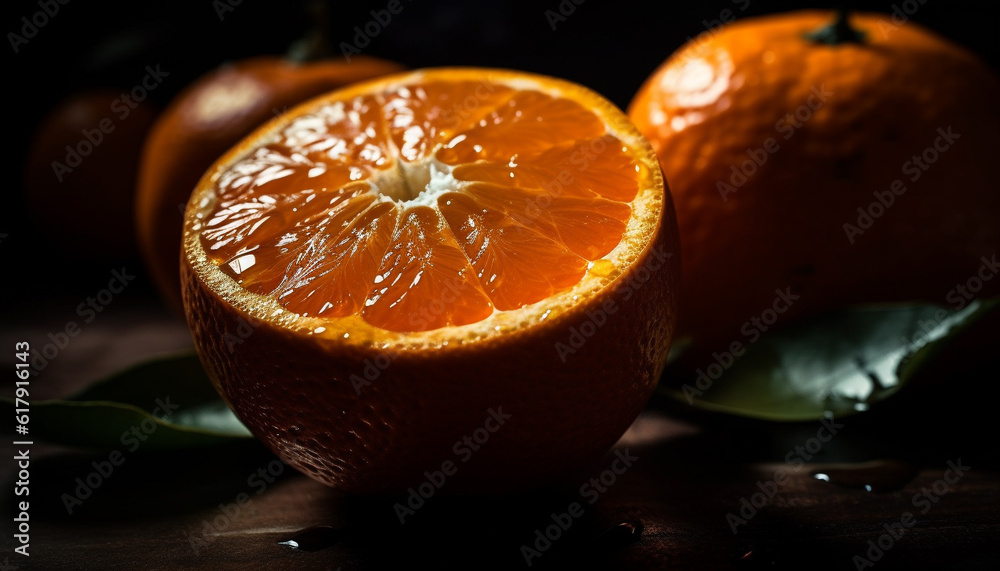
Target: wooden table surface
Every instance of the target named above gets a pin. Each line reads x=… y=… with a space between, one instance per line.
x=675 y=507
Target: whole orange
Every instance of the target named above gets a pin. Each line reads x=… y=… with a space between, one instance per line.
x=460 y=278
x=819 y=161
x=205 y=120
x=81 y=172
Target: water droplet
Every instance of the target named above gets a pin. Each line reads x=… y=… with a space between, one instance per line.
x=876 y=476
x=602 y=267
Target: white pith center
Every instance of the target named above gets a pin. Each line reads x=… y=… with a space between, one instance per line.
x=417 y=183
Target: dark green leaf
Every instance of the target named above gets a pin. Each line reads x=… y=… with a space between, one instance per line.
x=839 y=363
x=119 y=411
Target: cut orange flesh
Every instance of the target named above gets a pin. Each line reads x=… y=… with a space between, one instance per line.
x=371 y=273
x=424 y=204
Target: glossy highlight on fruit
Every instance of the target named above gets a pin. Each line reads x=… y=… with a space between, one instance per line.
x=410 y=210
x=412 y=255
x=204 y=121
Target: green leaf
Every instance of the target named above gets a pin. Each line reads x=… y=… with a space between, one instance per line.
x=840 y=363
x=118 y=412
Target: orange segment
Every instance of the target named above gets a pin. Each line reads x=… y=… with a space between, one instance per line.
x=505 y=253
x=330 y=272
x=425 y=281
x=257 y=239
x=529 y=122
x=421 y=117
x=258 y=173
x=424 y=205
x=346 y=135
x=589 y=227
x=598 y=166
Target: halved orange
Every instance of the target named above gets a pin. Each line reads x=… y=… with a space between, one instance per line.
x=473 y=266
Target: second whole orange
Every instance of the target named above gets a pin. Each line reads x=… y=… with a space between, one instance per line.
x=817 y=162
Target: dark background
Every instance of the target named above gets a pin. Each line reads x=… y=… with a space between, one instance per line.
x=610 y=46
x=690 y=479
